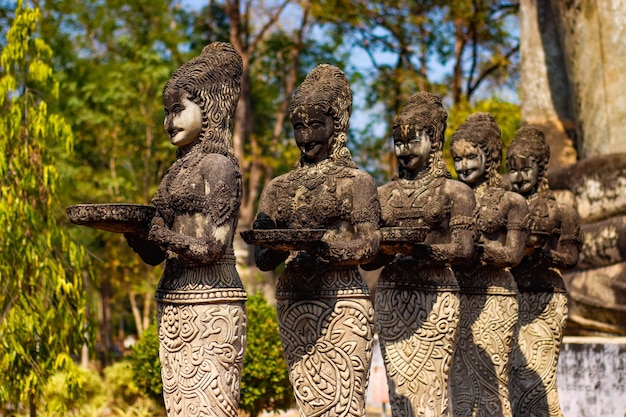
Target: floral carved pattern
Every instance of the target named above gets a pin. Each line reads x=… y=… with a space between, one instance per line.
x=417 y=342
x=328 y=348
x=481 y=367
x=202 y=351
x=533 y=376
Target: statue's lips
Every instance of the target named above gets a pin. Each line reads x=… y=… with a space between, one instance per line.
x=309 y=146
x=173 y=133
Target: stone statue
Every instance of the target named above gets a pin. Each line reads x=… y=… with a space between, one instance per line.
x=200 y=299
x=323 y=220
x=553 y=243
x=489 y=308
x=417 y=303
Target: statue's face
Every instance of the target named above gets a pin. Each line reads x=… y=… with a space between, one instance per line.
x=523 y=173
x=469 y=161
x=183 y=118
x=313 y=130
x=412 y=147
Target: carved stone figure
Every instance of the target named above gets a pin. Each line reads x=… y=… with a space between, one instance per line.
x=417 y=303
x=200 y=299
x=489 y=308
x=322 y=218
x=553 y=243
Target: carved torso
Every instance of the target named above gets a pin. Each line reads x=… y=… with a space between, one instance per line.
x=535 y=273
x=410 y=203
x=196 y=183
x=545 y=220
x=198 y=199
x=491 y=219
x=322 y=196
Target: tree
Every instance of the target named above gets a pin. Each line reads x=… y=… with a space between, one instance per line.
x=452 y=48
x=112 y=79
x=265 y=382
x=42 y=306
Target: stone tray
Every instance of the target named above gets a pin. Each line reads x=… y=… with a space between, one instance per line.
x=282 y=239
x=401 y=239
x=401 y=235
x=113 y=217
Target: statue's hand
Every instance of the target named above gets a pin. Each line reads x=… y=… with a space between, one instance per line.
x=148 y=251
x=158 y=231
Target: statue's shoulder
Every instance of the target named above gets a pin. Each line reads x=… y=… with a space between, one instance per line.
x=216 y=166
x=359 y=175
x=516 y=201
x=457 y=187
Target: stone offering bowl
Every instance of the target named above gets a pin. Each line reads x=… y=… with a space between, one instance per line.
x=283 y=239
x=401 y=239
x=112 y=217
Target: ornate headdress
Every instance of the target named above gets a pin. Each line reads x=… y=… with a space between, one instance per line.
x=481 y=130
x=425 y=111
x=327 y=87
x=212 y=81
x=530 y=141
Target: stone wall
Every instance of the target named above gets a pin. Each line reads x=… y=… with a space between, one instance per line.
x=592 y=377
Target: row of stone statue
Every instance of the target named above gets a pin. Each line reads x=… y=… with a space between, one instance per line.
x=469 y=308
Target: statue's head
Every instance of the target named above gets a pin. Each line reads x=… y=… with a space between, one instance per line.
x=418 y=135
x=211 y=81
x=320 y=114
x=476 y=148
x=527 y=160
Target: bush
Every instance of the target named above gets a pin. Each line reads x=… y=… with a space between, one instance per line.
x=90 y=401
x=120 y=383
x=265 y=382
x=144 y=360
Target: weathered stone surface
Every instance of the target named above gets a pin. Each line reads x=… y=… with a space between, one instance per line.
x=592 y=376
x=324 y=308
x=598 y=184
x=604 y=243
x=592 y=33
x=597 y=299
x=544 y=86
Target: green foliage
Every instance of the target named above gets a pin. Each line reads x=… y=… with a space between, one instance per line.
x=42 y=306
x=91 y=399
x=120 y=382
x=265 y=382
x=145 y=364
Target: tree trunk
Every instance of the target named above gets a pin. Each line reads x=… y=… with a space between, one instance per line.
x=136 y=315
x=105 y=320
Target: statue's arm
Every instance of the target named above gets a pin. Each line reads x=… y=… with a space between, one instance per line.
x=204 y=236
x=462 y=230
x=365 y=219
x=511 y=252
x=267 y=259
x=565 y=256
